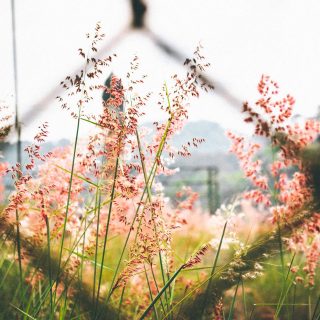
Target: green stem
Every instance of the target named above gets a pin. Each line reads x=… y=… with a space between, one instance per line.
x=149 y=196
x=244 y=299
x=208 y=289
x=98 y=202
x=315 y=308
x=19 y=247
x=107 y=231
x=69 y=192
x=230 y=316
x=156 y=284
x=145 y=313
x=49 y=266
x=150 y=178
x=150 y=292
x=120 y=302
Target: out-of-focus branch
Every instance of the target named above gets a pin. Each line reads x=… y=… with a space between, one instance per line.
x=219 y=89
x=228 y=275
x=38 y=257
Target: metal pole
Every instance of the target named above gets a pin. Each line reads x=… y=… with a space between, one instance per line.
x=213 y=190
x=216 y=193
x=15 y=75
x=210 y=191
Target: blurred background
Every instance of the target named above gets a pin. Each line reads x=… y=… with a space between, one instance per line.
x=242 y=39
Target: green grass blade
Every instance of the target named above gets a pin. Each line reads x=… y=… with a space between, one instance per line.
x=49 y=266
x=98 y=201
x=107 y=230
x=150 y=293
x=284 y=291
x=213 y=269
x=145 y=313
x=244 y=300
x=88 y=259
x=22 y=312
x=230 y=316
x=120 y=302
x=316 y=308
x=78 y=176
x=69 y=194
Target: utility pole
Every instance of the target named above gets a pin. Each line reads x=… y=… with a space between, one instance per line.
x=15 y=80
x=213 y=189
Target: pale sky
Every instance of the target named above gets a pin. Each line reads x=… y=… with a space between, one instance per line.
x=242 y=39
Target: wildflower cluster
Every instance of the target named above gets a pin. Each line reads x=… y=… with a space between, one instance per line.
x=287 y=187
x=92 y=217
x=74 y=200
